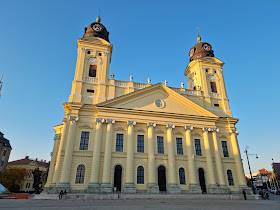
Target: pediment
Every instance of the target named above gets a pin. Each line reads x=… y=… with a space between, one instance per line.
x=157 y=98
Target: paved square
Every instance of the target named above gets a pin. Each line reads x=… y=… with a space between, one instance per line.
x=140 y=204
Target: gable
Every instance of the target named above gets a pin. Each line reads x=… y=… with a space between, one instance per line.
x=145 y=100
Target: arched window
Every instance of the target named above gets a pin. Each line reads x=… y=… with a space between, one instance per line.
x=140 y=175
x=182 y=176
x=80 y=176
x=230 y=178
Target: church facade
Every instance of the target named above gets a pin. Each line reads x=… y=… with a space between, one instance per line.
x=145 y=138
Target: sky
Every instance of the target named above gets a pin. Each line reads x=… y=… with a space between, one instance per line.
x=38 y=55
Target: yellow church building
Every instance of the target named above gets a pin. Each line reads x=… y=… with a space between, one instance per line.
x=145 y=138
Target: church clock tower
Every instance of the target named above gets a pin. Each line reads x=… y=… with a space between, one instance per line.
x=205 y=73
x=92 y=68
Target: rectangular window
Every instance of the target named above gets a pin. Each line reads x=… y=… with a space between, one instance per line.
x=225 y=149
x=92 y=70
x=140 y=143
x=160 y=144
x=179 y=146
x=84 y=141
x=119 y=143
x=4 y=154
x=90 y=91
x=197 y=147
x=213 y=87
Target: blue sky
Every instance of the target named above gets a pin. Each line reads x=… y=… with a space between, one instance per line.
x=151 y=39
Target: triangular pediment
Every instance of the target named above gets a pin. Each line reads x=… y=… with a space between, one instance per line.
x=157 y=98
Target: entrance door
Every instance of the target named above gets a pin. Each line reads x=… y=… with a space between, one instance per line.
x=118 y=177
x=202 y=180
x=161 y=179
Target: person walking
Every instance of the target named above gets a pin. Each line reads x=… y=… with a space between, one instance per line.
x=266 y=195
x=60 y=194
x=244 y=194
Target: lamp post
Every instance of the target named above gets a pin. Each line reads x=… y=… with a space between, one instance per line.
x=246 y=151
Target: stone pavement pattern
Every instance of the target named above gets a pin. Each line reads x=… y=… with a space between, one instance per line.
x=140 y=204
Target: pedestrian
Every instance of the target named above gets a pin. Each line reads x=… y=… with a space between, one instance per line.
x=266 y=195
x=244 y=193
x=60 y=194
x=65 y=192
x=262 y=194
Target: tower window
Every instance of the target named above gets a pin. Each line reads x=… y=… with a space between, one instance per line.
x=160 y=144
x=140 y=143
x=197 y=147
x=213 y=87
x=225 y=149
x=92 y=70
x=179 y=146
x=88 y=52
x=100 y=54
x=216 y=105
x=206 y=70
x=90 y=91
x=119 y=143
x=84 y=141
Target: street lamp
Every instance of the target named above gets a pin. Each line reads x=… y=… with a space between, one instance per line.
x=246 y=151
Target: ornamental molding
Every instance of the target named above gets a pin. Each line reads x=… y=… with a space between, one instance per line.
x=151 y=124
x=73 y=119
x=93 y=60
x=196 y=134
x=131 y=123
x=178 y=133
x=119 y=128
x=234 y=132
x=189 y=128
x=141 y=130
x=86 y=126
x=223 y=136
x=98 y=120
x=106 y=53
x=169 y=126
x=159 y=131
x=110 y=121
x=206 y=129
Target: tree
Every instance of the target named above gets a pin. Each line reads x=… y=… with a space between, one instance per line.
x=13 y=178
x=37 y=174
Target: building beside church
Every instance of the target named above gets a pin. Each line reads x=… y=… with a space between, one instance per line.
x=30 y=165
x=5 y=151
x=145 y=138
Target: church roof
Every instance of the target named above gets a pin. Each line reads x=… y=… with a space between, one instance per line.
x=201 y=50
x=96 y=29
x=26 y=161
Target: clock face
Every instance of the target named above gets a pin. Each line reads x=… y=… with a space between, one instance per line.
x=191 y=52
x=96 y=27
x=207 y=47
x=159 y=103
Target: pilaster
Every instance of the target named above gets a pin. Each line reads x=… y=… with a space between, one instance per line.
x=93 y=186
x=106 y=186
x=173 y=187
x=129 y=186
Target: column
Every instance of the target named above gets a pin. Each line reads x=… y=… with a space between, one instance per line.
x=58 y=157
x=106 y=183
x=211 y=181
x=152 y=186
x=67 y=162
x=218 y=161
x=172 y=172
x=93 y=186
x=194 y=188
x=237 y=157
x=129 y=182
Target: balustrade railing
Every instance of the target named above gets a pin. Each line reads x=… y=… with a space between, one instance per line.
x=92 y=79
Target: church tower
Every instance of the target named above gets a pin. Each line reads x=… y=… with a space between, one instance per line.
x=205 y=73
x=92 y=68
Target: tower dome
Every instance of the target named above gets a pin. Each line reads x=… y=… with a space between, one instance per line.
x=96 y=29
x=200 y=50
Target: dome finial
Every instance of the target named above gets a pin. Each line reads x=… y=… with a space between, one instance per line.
x=98 y=19
x=198 y=37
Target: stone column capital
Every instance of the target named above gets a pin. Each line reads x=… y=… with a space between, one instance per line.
x=215 y=130
x=234 y=132
x=73 y=119
x=190 y=128
x=169 y=126
x=98 y=120
x=206 y=129
x=131 y=123
x=83 y=49
x=110 y=121
x=151 y=124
